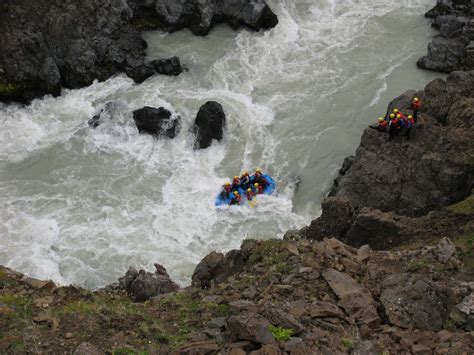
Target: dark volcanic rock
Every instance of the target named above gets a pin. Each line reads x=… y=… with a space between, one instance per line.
x=171 y=66
x=147 y=285
x=432 y=170
x=209 y=124
x=250 y=326
x=46 y=45
x=200 y=16
x=414 y=301
x=336 y=219
x=156 y=121
x=451 y=50
x=217 y=268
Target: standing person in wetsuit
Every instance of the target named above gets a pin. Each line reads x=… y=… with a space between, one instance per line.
x=394 y=126
x=415 y=106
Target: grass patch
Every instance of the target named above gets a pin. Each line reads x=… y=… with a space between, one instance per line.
x=21 y=305
x=465 y=207
x=465 y=250
x=346 y=343
x=279 y=333
x=7 y=88
x=416 y=265
x=79 y=307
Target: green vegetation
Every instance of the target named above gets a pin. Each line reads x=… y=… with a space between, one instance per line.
x=346 y=343
x=465 y=247
x=465 y=207
x=280 y=334
x=417 y=264
x=7 y=88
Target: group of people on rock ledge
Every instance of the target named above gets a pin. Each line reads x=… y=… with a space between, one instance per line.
x=247 y=185
x=398 y=123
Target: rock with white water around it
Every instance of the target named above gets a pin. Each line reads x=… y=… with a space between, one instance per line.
x=171 y=66
x=209 y=125
x=156 y=121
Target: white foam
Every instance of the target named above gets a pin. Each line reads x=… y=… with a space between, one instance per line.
x=84 y=204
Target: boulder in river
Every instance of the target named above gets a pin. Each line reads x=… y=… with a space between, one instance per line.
x=171 y=66
x=209 y=124
x=156 y=121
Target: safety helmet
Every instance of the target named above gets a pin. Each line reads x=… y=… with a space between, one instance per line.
x=380 y=119
x=249 y=190
x=399 y=116
x=236 y=177
x=396 y=110
x=227 y=184
x=410 y=117
x=392 y=115
x=236 y=193
x=256 y=184
x=416 y=99
x=245 y=173
x=258 y=170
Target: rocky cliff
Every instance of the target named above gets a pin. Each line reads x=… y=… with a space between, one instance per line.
x=453 y=48
x=48 y=45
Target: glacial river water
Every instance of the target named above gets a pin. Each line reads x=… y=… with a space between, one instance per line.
x=80 y=205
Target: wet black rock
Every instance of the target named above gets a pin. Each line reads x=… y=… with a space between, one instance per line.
x=453 y=48
x=171 y=66
x=209 y=124
x=201 y=16
x=156 y=121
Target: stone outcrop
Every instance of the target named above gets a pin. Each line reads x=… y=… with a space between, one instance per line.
x=142 y=285
x=453 y=48
x=50 y=45
x=156 y=121
x=201 y=16
x=432 y=170
x=209 y=125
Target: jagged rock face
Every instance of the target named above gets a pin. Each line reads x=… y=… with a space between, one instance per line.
x=452 y=49
x=200 y=16
x=209 y=124
x=412 y=301
x=46 y=46
x=156 y=121
x=432 y=170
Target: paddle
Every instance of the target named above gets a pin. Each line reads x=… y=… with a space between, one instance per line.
x=252 y=202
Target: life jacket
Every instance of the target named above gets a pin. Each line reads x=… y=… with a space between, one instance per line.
x=394 y=123
x=382 y=126
x=402 y=116
x=245 y=182
x=225 y=194
x=416 y=105
x=412 y=121
x=249 y=195
x=236 y=200
x=260 y=180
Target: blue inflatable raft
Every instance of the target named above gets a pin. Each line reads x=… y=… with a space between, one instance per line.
x=268 y=190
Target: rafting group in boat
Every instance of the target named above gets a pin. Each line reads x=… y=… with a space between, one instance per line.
x=245 y=188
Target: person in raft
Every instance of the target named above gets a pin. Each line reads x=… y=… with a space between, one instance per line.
x=236 y=199
x=257 y=189
x=249 y=194
x=226 y=191
x=259 y=179
x=381 y=126
x=245 y=180
x=236 y=183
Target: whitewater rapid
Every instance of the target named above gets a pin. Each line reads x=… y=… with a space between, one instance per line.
x=80 y=205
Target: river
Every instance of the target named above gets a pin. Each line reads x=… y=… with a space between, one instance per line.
x=81 y=205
